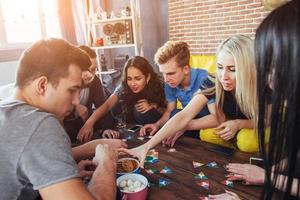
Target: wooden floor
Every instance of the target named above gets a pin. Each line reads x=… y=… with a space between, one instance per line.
x=183 y=184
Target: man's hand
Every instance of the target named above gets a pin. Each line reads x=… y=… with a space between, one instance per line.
x=251 y=174
x=87 y=150
x=229 y=129
x=105 y=156
x=225 y=196
x=149 y=127
x=82 y=111
x=143 y=106
x=85 y=133
x=111 y=134
x=170 y=141
x=86 y=168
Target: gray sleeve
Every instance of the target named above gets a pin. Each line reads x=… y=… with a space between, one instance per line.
x=118 y=91
x=47 y=158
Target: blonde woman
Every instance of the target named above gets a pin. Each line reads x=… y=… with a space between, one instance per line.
x=236 y=96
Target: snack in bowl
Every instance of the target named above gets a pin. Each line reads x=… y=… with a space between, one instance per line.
x=127 y=165
x=133 y=186
x=130 y=185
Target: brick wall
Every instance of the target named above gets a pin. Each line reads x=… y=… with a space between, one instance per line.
x=203 y=24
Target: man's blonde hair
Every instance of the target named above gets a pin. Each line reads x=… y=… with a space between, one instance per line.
x=173 y=49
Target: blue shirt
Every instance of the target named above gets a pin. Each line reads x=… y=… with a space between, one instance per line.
x=198 y=77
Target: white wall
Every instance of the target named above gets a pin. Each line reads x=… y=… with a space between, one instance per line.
x=7 y=72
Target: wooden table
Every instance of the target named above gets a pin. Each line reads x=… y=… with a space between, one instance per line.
x=183 y=184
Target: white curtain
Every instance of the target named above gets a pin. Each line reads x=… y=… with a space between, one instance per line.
x=80 y=14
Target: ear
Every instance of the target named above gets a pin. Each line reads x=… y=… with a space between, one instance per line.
x=148 y=78
x=186 y=69
x=41 y=85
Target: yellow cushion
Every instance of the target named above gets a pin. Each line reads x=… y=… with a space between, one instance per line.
x=207 y=62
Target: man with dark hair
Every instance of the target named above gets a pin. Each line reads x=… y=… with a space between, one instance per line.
x=35 y=151
x=91 y=97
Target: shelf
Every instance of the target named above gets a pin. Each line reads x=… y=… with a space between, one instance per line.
x=109 y=20
x=114 y=46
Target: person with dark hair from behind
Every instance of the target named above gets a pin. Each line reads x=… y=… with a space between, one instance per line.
x=35 y=151
x=141 y=93
x=277 y=51
x=91 y=97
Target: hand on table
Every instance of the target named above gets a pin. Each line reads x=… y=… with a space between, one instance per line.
x=251 y=174
x=229 y=129
x=225 y=196
x=140 y=152
x=111 y=134
x=85 y=134
x=86 y=168
x=170 y=141
x=149 y=127
x=142 y=106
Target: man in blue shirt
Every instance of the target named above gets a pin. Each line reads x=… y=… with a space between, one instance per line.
x=181 y=82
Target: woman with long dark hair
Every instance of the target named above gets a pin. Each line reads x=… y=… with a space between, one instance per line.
x=277 y=48
x=141 y=94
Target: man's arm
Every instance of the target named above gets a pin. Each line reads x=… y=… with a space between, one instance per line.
x=70 y=189
x=87 y=150
x=102 y=185
x=103 y=182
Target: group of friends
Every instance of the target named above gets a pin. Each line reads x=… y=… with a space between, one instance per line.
x=251 y=103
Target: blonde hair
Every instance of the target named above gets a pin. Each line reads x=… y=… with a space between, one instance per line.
x=173 y=49
x=242 y=50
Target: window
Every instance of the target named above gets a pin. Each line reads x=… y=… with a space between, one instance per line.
x=25 y=21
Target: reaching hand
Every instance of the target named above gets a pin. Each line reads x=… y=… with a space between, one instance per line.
x=225 y=196
x=251 y=174
x=170 y=141
x=149 y=127
x=142 y=106
x=85 y=133
x=230 y=128
x=140 y=152
x=111 y=134
x=86 y=168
